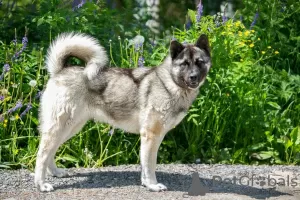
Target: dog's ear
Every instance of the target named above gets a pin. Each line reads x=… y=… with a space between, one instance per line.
x=203 y=44
x=175 y=48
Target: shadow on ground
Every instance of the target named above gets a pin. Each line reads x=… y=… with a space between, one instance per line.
x=174 y=182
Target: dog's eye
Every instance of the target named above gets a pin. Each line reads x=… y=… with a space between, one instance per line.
x=199 y=63
x=185 y=63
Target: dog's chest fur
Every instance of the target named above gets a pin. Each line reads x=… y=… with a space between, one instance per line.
x=174 y=109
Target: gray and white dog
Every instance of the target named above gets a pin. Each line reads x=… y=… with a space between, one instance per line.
x=148 y=101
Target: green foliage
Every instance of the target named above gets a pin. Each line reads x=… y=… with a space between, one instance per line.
x=21 y=84
x=46 y=19
x=278 y=24
x=247 y=111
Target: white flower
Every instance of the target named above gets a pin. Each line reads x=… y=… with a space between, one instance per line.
x=32 y=83
x=15 y=85
x=137 y=40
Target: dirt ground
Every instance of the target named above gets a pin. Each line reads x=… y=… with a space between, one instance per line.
x=183 y=181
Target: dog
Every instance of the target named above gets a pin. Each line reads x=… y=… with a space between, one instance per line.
x=147 y=101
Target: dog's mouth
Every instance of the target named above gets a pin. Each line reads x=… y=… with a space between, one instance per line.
x=191 y=85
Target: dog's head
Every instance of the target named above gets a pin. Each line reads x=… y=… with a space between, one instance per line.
x=190 y=63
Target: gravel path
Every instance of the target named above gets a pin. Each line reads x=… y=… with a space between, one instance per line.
x=123 y=182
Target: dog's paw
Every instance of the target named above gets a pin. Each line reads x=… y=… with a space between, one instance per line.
x=158 y=187
x=58 y=172
x=45 y=187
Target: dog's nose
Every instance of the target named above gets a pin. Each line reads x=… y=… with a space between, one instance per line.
x=193 y=78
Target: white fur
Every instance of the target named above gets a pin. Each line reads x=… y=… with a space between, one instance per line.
x=61 y=117
x=78 y=45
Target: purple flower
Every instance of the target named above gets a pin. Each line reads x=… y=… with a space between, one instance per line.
x=111 y=132
x=1 y=118
x=78 y=4
x=24 y=43
x=6 y=68
x=138 y=47
x=188 y=24
x=81 y=4
x=199 y=11
x=254 y=21
x=224 y=18
x=1 y=97
x=29 y=106
x=38 y=94
x=141 y=61
x=152 y=45
x=74 y=4
x=18 y=105
x=15 y=41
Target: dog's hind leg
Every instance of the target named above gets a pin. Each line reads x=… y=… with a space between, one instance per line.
x=48 y=145
x=52 y=168
x=54 y=132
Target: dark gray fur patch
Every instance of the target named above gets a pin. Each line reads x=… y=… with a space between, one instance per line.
x=149 y=88
x=129 y=72
x=189 y=50
x=97 y=85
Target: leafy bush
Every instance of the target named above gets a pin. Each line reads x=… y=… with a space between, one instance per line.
x=46 y=19
x=278 y=23
x=21 y=81
x=248 y=112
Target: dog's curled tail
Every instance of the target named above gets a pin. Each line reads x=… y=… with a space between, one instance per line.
x=78 y=45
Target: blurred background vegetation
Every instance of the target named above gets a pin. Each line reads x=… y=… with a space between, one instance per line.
x=247 y=112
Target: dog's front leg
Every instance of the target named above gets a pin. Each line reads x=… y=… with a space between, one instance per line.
x=150 y=143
